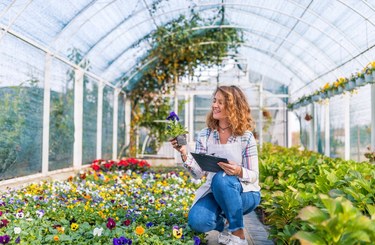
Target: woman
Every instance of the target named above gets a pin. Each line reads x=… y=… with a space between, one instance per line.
x=234 y=191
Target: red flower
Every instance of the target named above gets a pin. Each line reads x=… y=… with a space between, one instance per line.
x=3 y=223
x=111 y=224
x=127 y=222
x=95 y=167
x=108 y=165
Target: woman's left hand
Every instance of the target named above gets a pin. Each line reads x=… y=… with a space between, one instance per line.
x=230 y=168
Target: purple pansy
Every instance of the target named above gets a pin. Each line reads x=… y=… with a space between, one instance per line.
x=173 y=116
x=197 y=241
x=4 y=239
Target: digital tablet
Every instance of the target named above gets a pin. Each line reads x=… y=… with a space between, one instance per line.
x=209 y=162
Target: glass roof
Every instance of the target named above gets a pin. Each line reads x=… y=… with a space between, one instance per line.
x=302 y=43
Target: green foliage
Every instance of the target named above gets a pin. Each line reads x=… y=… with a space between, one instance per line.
x=292 y=181
x=15 y=112
x=174 y=127
x=178 y=49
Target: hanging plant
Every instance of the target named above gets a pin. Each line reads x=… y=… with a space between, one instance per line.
x=178 y=49
x=308 y=117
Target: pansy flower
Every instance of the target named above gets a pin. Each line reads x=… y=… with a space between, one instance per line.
x=17 y=230
x=18 y=240
x=20 y=215
x=121 y=240
x=98 y=231
x=74 y=226
x=197 y=241
x=111 y=224
x=139 y=230
x=173 y=116
x=4 y=239
x=127 y=222
x=3 y=223
x=177 y=233
x=40 y=213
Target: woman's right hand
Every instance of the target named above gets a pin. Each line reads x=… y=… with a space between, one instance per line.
x=181 y=148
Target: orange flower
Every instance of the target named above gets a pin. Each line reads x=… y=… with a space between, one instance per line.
x=56 y=238
x=139 y=230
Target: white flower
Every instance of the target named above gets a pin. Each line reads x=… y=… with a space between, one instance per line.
x=40 y=213
x=128 y=172
x=19 y=215
x=98 y=231
x=17 y=230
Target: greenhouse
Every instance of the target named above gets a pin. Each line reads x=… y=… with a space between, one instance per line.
x=94 y=95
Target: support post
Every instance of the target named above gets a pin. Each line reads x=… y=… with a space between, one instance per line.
x=347 y=126
x=373 y=118
x=187 y=114
x=78 y=118
x=327 y=151
x=312 y=128
x=46 y=113
x=288 y=121
x=191 y=119
x=99 y=124
x=261 y=113
x=115 y=123
x=176 y=111
x=127 y=121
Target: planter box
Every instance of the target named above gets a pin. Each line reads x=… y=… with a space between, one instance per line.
x=181 y=139
x=340 y=90
x=315 y=97
x=359 y=81
x=329 y=93
x=369 y=78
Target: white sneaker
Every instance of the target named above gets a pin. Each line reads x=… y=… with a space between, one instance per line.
x=235 y=240
x=223 y=238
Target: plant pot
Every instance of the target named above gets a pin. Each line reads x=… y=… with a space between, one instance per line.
x=315 y=97
x=359 y=81
x=323 y=95
x=305 y=102
x=329 y=93
x=266 y=113
x=181 y=139
x=296 y=106
x=369 y=78
x=340 y=90
x=351 y=85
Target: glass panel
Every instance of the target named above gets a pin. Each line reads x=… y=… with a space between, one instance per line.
x=360 y=123
x=21 y=108
x=337 y=126
x=61 y=126
x=121 y=126
x=107 y=129
x=90 y=114
x=202 y=105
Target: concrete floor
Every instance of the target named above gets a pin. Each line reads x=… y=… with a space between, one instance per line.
x=212 y=238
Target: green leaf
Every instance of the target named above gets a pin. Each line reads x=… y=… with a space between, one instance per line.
x=336 y=193
x=356 y=174
x=332 y=205
x=307 y=238
x=312 y=214
x=371 y=210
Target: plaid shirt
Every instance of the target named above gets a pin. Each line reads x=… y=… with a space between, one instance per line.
x=249 y=163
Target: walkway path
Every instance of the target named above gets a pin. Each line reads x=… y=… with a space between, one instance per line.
x=255 y=233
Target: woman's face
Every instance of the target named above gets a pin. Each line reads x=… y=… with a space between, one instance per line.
x=218 y=108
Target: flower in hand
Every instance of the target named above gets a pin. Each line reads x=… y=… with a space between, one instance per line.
x=174 y=127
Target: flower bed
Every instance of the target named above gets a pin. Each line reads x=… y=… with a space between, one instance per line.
x=316 y=199
x=102 y=206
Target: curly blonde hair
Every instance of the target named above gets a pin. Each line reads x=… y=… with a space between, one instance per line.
x=237 y=108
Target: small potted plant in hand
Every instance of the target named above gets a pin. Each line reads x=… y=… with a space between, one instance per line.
x=176 y=130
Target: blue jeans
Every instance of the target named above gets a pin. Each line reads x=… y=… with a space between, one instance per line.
x=226 y=198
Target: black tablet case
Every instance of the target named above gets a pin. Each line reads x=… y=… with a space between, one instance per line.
x=208 y=162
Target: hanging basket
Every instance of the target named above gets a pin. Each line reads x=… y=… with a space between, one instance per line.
x=329 y=93
x=369 y=78
x=323 y=95
x=266 y=113
x=315 y=97
x=359 y=81
x=340 y=90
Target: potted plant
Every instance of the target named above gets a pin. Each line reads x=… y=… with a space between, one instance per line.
x=351 y=83
x=370 y=155
x=360 y=79
x=266 y=113
x=175 y=129
x=308 y=117
x=341 y=85
x=368 y=75
x=315 y=97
